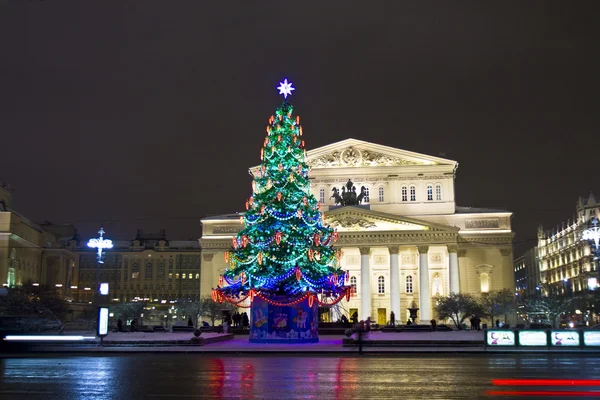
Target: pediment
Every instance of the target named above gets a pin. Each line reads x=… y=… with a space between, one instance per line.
x=358 y=153
x=356 y=218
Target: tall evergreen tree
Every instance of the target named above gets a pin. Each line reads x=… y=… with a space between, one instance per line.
x=284 y=247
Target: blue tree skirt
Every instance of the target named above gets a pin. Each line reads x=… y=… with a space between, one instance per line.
x=289 y=324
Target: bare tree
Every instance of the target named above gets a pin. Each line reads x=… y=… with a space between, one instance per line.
x=552 y=307
x=37 y=308
x=214 y=310
x=497 y=302
x=457 y=307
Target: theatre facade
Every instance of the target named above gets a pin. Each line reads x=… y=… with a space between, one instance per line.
x=406 y=243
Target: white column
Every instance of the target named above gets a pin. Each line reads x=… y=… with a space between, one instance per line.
x=206 y=268
x=424 y=295
x=365 y=283
x=453 y=268
x=395 y=282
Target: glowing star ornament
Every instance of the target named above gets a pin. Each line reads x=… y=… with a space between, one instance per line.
x=100 y=244
x=285 y=88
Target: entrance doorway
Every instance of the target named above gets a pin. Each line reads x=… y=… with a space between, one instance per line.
x=381 y=316
x=352 y=311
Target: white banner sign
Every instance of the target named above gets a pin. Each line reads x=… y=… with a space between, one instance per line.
x=591 y=338
x=500 y=338
x=533 y=338
x=564 y=338
x=103 y=321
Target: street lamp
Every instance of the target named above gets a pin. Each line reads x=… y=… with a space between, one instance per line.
x=101 y=244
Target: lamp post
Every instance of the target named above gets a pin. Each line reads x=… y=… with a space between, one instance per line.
x=100 y=244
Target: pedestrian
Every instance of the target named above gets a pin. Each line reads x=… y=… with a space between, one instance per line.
x=392 y=319
x=344 y=320
x=119 y=325
x=433 y=324
x=132 y=326
x=472 y=321
x=355 y=317
x=190 y=322
x=497 y=323
x=478 y=323
x=245 y=320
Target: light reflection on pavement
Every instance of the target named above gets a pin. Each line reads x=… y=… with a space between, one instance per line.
x=194 y=376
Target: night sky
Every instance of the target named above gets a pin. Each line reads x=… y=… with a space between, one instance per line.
x=147 y=114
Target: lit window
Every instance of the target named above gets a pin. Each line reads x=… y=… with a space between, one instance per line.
x=413 y=193
x=409 y=284
x=135 y=275
x=429 y=193
x=322 y=196
x=183 y=276
x=485 y=282
x=438 y=192
x=381 y=285
x=381 y=197
x=170 y=275
x=404 y=193
x=353 y=284
x=197 y=276
x=177 y=276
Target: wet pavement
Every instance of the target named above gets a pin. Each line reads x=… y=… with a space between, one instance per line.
x=196 y=376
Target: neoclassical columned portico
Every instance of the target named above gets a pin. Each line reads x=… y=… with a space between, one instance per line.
x=365 y=283
x=395 y=282
x=424 y=293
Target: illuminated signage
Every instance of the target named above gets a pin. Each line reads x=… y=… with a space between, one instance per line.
x=104 y=289
x=500 y=338
x=103 y=321
x=591 y=338
x=564 y=338
x=592 y=283
x=533 y=338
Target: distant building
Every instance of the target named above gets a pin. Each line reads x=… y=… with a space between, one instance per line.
x=148 y=268
x=566 y=260
x=33 y=255
x=527 y=273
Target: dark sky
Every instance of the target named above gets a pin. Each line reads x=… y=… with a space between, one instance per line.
x=148 y=113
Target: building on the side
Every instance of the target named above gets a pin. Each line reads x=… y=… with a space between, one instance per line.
x=34 y=255
x=148 y=268
x=527 y=274
x=408 y=242
x=566 y=260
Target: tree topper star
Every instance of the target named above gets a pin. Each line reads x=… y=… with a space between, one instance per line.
x=285 y=88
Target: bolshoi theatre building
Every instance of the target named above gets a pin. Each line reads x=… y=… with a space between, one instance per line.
x=406 y=243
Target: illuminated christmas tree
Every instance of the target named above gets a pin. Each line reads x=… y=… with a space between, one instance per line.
x=284 y=254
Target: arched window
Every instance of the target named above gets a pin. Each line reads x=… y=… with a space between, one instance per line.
x=322 y=196
x=366 y=198
x=429 y=192
x=413 y=193
x=381 y=285
x=438 y=192
x=485 y=282
x=353 y=284
x=381 y=196
x=404 y=193
x=409 y=284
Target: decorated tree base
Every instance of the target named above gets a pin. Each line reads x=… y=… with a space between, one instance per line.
x=271 y=323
